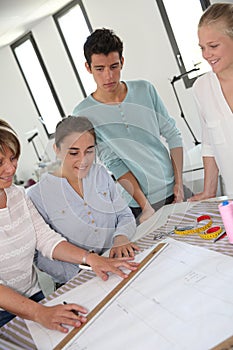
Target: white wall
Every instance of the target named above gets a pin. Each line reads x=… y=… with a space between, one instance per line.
x=16 y=104
x=18 y=109
x=148 y=55
x=58 y=64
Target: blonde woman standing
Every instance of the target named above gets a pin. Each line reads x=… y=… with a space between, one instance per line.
x=214 y=97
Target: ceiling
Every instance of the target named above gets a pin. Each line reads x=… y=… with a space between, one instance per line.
x=18 y=16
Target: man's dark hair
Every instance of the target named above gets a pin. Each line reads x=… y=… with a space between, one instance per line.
x=102 y=41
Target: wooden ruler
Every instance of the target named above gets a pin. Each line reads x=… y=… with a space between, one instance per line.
x=225 y=345
x=112 y=294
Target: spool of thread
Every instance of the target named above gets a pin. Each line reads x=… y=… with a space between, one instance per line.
x=226 y=211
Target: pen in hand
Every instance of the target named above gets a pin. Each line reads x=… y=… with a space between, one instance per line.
x=74 y=311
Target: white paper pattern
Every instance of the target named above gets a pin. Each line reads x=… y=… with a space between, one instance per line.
x=182 y=300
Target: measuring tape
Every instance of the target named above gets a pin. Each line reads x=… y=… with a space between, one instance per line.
x=205 y=231
x=211 y=233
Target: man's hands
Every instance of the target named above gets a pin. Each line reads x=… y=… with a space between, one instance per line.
x=178 y=191
x=147 y=212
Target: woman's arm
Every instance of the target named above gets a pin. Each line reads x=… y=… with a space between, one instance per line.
x=50 y=317
x=66 y=251
x=210 y=180
x=177 y=164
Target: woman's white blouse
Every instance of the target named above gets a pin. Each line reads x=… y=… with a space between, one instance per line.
x=217 y=125
x=22 y=231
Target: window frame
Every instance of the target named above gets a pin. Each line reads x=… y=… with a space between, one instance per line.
x=61 y=13
x=187 y=81
x=29 y=36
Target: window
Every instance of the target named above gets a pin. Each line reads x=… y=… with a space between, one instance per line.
x=74 y=27
x=181 y=18
x=38 y=82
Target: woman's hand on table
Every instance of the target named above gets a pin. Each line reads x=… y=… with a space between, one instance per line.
x=122 y=247
x=200 y=197
x=102 y=265
x=56 y=317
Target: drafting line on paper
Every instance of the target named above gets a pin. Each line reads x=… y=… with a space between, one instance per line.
x=113 y=294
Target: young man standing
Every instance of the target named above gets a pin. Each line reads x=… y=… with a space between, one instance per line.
x=129 y=119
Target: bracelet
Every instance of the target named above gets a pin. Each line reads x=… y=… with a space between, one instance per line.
x=84 y=259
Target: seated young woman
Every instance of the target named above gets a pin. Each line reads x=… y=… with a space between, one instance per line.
x=81 y=201
x=22 y=231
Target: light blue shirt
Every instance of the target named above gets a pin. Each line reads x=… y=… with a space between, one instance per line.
x=90 y=222
x=129 y=138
